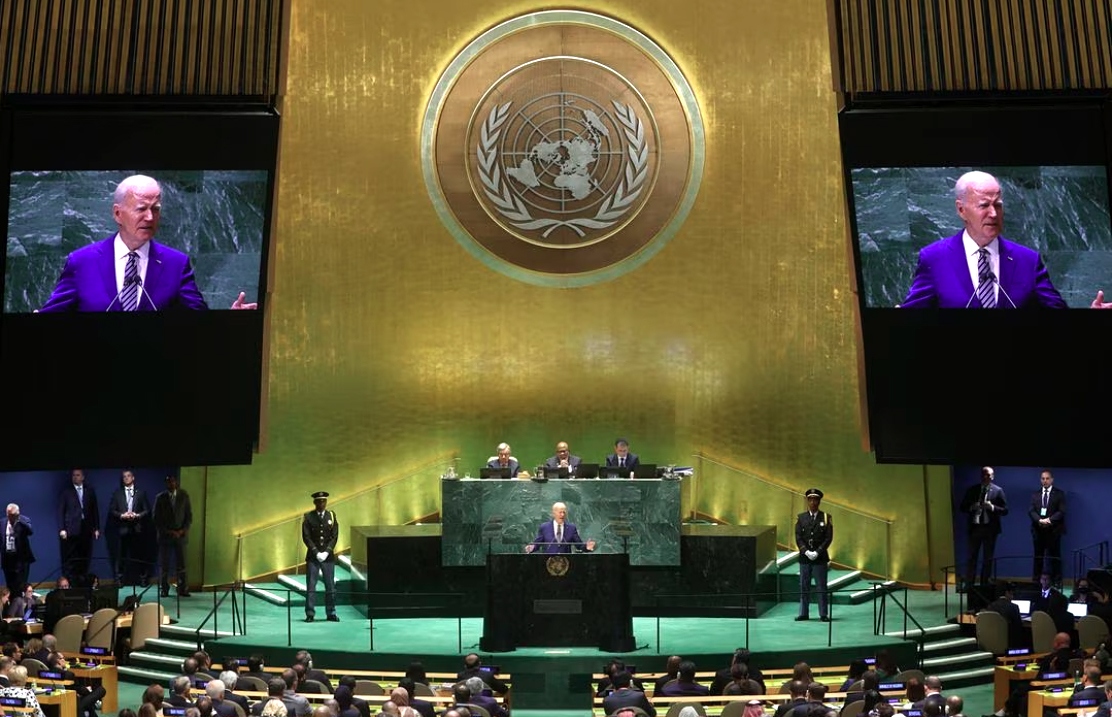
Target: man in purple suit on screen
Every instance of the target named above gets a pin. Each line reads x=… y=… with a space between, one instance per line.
x=558 y=535
x=130 y=271
x=979 y=269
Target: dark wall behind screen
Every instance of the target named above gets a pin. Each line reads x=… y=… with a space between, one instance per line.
x=1086 y=514
x=37 y=493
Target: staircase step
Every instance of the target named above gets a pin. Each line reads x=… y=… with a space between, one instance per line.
x=165 y=644
x=156 y=659
x=967 y=660
x=190 y=632
x=967 y=678
x=934 y=632
x=787 y=558
x=938 y=648
x=353 y=572
x=144 y=676
x=293 y=582
x=259 y=591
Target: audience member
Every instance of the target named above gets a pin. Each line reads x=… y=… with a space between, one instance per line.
x=801 y=672
x=273 y=708
x=87 y=697
x=19 y=689
x=416 y=672
x=179 y=691
x=625 y=696
x=685 y=685
x=472 y=667
x=740 y=683
x=857 y=670
x=304 y=658
x=605 y=685
x=275 y=690
x=797 y=691
x=954 y=706
x=886 y=667
x=230 y=680
x=400 y=697
x=671 y=672
x=816 y=691
x=753 y=708
x=724 y=676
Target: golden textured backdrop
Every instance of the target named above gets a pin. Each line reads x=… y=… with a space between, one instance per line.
x=390 y=344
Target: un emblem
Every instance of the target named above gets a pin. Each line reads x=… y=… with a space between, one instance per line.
x=545 y=157
x=557 y=566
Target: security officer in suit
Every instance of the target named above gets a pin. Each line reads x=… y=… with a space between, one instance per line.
x=813 y=534
x=1048 y=524
x=319 y=529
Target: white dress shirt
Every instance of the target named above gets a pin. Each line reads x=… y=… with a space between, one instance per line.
x=120 y=252
x=973 y=257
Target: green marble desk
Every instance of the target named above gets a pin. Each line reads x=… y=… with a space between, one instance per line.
x=597 y=507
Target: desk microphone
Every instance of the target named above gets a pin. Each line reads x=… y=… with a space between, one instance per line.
x=127 y=282
x=143 y=292
x=992 y=277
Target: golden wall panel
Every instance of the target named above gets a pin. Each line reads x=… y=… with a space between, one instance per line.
x=390 y=343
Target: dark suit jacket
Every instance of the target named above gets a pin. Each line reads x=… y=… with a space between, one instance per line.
x=1055 y=510
x=491 y=681
x=242 y=701
x=814 y=534
x=176 y=700
x=681 y=689
x=489 y=704
x=117 y=506
x=723 y=677
x=995 y=496
x=425 y=708
x=1002 y=605
x=18 y=608
x=514 y=466
x=22 y=554
x=605 y=686
x=88 y=281
x=627 y=698
x=546 y=539
x=554 y=462
x=319 y=536
x=789 y=706
x=942 y=279
x=74 y=519
x=316 y=674
x=1088 y=693
x=172 y=515
x=1105 y=710
x=632 y=460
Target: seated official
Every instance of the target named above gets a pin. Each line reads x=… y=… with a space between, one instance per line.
x=504 y=461
x=18 y=688
x=606 y=684
x=563 y=458
x=559 y=536
x=797 y=691
x=625 y=696
x=685 y=685
x=621 y=457
x=86 y=698
x=477 y=688
x=726 y=675
x=472 y=667
x=671 y=672
x=1003 y=605
x=1091 y=687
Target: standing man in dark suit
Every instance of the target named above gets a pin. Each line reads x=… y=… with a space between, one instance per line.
x=127 y=509
x=813 y=534
x=173 y=515
x=558 y=535
x=78 y=526
x=621 y=457
x=1048 y=525
x=16 y=558
x=319 y=530
x=986 y=504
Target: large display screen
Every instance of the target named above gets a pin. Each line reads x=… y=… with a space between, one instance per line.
x=910 y=236
x=107 y=357
x=209 y=221
x=929 y=184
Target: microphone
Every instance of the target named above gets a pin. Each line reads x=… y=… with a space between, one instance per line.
x=128 y=281
x=992 y=278
x=143 y=292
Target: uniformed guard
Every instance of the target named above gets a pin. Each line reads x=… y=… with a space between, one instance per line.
x=319 y=529
x=813 y=535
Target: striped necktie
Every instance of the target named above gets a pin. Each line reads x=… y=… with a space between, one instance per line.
x=129 y=299
x=985 y=293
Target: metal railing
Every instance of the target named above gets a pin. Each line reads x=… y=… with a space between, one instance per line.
x=277 y=546
x=757 y=500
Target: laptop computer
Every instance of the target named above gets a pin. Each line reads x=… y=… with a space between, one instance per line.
x=1078 y=609
x=586 y=470
x=1024 y=606
x=645 y=470
x=494 y=472
x=550 y=472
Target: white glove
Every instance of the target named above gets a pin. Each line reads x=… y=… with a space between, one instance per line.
x=321 y=556
x=811 y=554
x=62 y=534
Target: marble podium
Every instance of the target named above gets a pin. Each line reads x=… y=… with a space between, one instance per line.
x=638 y=517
